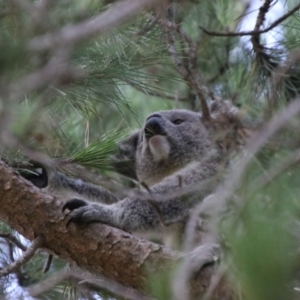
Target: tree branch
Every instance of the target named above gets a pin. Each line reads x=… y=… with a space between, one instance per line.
x=188 y=71
x=255 y=38
x=97 y=248
x=28 y=254
x=13 y=240
x=252 y=32
x=85 y=277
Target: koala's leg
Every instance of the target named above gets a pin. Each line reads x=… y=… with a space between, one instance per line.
x=128 y=214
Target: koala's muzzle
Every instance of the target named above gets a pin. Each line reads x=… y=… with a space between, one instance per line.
x=154 y=126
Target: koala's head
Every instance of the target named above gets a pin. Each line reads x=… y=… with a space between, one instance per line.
x=168 y=141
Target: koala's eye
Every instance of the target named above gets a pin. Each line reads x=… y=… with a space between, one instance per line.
x=177 y=121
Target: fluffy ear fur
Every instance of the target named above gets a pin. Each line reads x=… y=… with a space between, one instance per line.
x=124 y=161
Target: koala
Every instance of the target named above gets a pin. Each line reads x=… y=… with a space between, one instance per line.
x=178 y=158
x=175 y=156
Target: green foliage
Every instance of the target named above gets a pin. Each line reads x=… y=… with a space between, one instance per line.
x=260 y=230
x=96 y=154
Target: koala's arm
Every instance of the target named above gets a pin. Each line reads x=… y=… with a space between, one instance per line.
x=139 y=214
x=129 y=214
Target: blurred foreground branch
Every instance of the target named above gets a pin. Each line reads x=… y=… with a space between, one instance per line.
x=111 y=18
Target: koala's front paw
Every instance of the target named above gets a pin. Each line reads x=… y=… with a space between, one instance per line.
x=83 y=213
x=78 y=210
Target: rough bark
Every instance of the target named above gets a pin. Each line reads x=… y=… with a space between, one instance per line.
x=97 y=248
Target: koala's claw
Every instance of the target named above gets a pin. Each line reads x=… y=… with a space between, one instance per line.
x=74 y=204
x=79 y=216
x=75 y=220
x=77 y=208
x=83 y=213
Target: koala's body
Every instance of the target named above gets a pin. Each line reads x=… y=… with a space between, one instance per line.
x=174 y=155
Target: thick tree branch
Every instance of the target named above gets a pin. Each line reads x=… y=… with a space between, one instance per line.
x=97 y=248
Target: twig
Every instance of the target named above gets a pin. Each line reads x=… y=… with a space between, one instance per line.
x=18 y=272
x=262 y=56
x=252 y=32
x=188 y=72
x=255 y=39
x=85 y=277
x=14 y=240
x=147 y=28
x=176 y=27
x=72 y=34
x=28 y=254
x=11 y=251
x=175 y=58
x=48 y=263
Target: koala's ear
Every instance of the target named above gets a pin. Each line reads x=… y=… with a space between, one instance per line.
x=124 y=161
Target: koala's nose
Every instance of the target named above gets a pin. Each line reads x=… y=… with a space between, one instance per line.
x=154 y=126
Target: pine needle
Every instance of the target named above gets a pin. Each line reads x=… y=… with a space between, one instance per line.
x=96 y=155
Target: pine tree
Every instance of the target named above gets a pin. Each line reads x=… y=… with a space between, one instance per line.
x=77 y=76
